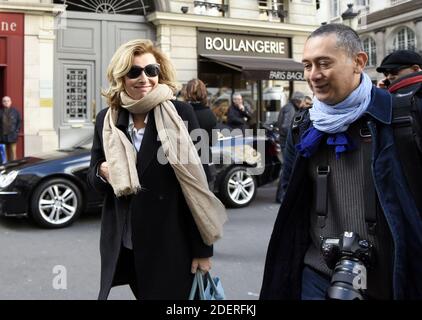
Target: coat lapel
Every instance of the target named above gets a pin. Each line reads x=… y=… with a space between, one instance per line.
x=149 y=146
x=122 y=122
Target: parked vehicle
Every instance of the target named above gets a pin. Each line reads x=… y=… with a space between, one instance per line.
x=52 y=189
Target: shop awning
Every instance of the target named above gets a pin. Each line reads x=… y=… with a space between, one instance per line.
x=261 y=68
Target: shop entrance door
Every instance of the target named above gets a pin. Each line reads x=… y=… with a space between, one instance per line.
x=1 y=82
x=84 y=49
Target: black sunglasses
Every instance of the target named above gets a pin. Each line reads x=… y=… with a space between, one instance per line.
x=395 y=71
x=151 y=70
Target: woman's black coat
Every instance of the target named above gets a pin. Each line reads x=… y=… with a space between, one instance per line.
x=164 y=235
x=206 y=118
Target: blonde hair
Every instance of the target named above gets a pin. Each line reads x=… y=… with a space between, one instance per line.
x=122 y=61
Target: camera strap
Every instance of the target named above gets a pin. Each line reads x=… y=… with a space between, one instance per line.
x=323 y=171
x=370 y=195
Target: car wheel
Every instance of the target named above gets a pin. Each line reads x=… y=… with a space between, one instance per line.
x=238 y=187
x=56 y=203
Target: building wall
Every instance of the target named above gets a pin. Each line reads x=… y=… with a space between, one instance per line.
x=39 y=132
x=179 y=43
x=302 y=12
x=244 y=9
x=299 y=11
x=382 y=24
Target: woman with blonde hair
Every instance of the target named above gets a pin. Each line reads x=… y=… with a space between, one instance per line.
x=159 y=219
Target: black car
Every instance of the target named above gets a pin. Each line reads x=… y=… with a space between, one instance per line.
x=52 y=188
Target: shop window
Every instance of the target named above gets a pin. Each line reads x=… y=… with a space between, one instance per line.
x=76 y=101
x=335 y=8
x=362 y=3
x=272 y=10
x=396 y=2
x=405 y=39
x=216 y=8
x=370 y=48
x=135 y=7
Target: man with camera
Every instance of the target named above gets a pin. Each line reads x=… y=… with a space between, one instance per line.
x=348 y=226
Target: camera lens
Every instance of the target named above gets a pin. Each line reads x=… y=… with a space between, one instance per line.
x=348 y=281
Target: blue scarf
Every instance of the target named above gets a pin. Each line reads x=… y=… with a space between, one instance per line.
x=334 y=120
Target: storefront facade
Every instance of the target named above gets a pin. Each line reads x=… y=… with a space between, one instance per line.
x=231 y=53
x=258 y=67
x=26 y=70
x=63 y=49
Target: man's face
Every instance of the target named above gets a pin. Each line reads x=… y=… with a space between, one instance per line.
x=330 y=72
x=397 y=73
x=7 y=102
x=237 y=100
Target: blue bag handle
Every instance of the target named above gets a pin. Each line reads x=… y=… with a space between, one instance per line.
x=198 y=281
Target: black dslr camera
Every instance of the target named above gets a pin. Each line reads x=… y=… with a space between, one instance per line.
x=349 y=256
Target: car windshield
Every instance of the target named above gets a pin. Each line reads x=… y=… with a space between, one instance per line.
x=85 y=143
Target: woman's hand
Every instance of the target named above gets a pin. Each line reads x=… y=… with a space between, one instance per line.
x=103 y=171
x=204 y=264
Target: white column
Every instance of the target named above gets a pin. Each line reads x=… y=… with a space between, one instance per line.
x=418 y=32
x=380 y=43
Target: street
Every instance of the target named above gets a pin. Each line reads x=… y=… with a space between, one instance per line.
x=32 y=259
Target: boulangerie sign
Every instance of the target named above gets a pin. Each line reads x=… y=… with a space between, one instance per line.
x=242 y=45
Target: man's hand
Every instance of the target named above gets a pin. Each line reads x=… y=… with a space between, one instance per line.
x=383 y=84
x=204 y=264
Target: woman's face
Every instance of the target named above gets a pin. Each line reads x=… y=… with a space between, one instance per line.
x=139 y=87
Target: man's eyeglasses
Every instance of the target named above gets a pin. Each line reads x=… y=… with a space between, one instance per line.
x=395 y=71
x=151 y=70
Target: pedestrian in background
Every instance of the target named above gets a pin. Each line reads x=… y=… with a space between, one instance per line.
x=238 y=114
x=195 y=93
x=397 y=65
x=159 y=219
x=307 y=103
x=10 y=125
x=284 y=122
x=286 y=115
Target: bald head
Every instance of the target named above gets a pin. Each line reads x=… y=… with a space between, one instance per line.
x=6 y=101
